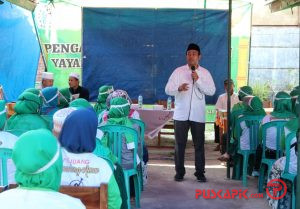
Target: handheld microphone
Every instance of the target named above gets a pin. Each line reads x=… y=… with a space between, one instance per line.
x=193 y=70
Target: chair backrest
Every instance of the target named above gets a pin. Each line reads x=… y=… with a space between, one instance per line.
x=254 y=123
x=279 y=125
x=142 y=127
x=115 y=134
x=91 y=197
x=288 y=140
x=5 y=154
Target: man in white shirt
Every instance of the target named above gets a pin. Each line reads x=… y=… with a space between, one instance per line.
x=189 y=84
x=222 y=105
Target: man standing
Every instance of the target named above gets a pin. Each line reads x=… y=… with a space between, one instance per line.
x=76 y=90
x=189 y=84
x=47 y=79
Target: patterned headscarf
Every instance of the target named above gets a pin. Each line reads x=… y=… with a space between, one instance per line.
x=115 y=94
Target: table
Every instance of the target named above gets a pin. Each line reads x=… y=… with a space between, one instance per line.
x=155 y=117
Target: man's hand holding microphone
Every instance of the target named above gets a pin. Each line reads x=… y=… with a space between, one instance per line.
x=185 y=86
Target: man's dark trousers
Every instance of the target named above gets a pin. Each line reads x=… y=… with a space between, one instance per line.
x=181 y=135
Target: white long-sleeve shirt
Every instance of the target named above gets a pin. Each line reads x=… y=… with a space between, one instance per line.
x=222 y=101
x=190 y=104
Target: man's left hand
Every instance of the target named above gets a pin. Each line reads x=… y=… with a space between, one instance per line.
x=195 y=76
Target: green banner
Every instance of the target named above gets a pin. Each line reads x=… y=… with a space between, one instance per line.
x=59 y=29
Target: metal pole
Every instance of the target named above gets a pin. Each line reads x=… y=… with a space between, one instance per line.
x=298 y=170
x=37 y=35
x=228 y=86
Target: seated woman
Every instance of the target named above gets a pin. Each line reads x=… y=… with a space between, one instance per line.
x=50 y=100
x=80 y=166
x=27 y=116
x=38 y=161
x=102 y=118
x=133 y=114
x=50 y=103
x=104 y=91
x=282 y=111
x=100 y=150
x=254 y=106
x=118 y=115
x=279 y=165
x=236 y=112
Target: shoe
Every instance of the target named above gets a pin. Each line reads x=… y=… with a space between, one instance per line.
x=255 y=173
x=178 y=177
x=217 y=148
x=201 y=178
x=224 y=157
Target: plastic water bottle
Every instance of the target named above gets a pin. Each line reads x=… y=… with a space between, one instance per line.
x=140 y=101
x=169 y=103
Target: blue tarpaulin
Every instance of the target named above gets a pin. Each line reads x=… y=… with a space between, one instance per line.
x=19 y=50
x=138 y=49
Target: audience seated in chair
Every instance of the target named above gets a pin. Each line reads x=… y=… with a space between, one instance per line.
x=254 y=107
x=38 y=161
x=236 y=112
x=282 y=111
x=80 y=166
x=279 y=165
x=27 y=116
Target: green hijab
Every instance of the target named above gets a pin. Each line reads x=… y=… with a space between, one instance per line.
x=254 y=106
x=33 y=90
x=28 y=103
x=294 y=94
x=80 y=103
x=282 y=106
x=38 y=160
x=118 y=115
x=245 y=91
x=293 y=125
x=104 y=91
x=64 y=98
x=36 y=92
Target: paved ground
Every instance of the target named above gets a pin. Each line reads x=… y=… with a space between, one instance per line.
x=163 y=192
